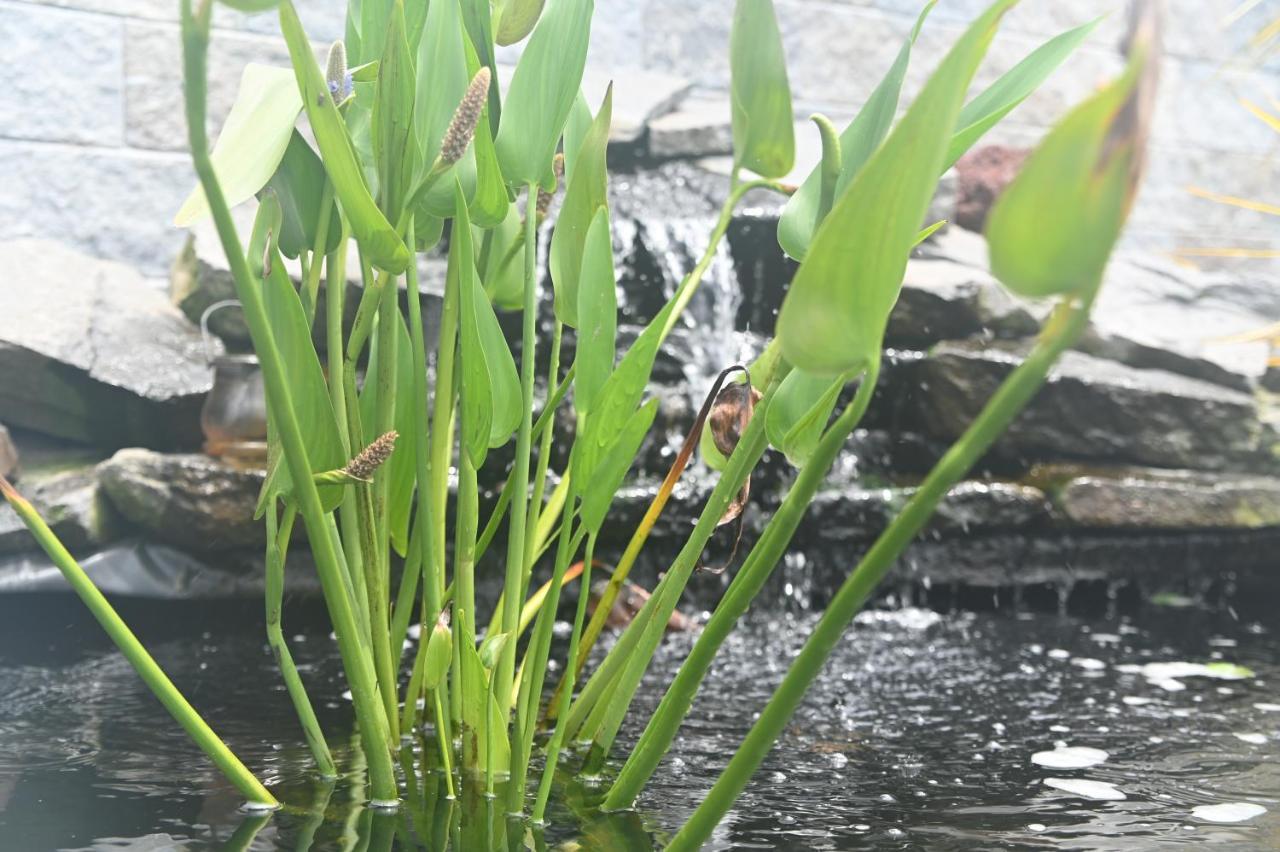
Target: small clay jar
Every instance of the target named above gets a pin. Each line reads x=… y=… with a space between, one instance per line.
x=234 y=418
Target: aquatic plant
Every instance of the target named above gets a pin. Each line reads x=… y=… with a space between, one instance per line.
x=413 y=140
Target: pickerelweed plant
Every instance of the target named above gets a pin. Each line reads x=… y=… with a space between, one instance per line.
x=409 y=140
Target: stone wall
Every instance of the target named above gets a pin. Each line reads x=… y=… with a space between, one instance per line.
x=92 y=138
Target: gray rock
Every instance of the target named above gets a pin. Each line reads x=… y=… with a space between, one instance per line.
x=1145 y=498
x=1092 y=409
x=855 y=512
x=944 y=300
x=700 y=127
x=8 y=454
x=90 y=353
x=71 y=503
x=1116 y=347
x=192 y=501
x=639 y=96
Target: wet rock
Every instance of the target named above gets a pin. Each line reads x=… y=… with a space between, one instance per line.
x=8 y=454
x=700 y=127
x=71 y=502
x=189 y=500
x=1091 y=409
x=944 y=300
x=982 y=175
x=1116 y=347
x=853 y=512
x=90 y=352
x=1147 y=499
x=639 y=97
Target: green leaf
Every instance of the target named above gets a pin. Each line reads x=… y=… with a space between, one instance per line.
x=833 y=318
x=299 y=185
x=307 y=387
x=442 y=81
x=250 y=7
x=371 y=229
x=800 y=218
x=1052 y=230
x=799 y=413
x=478 y=22
x=503 y=273
x=606 y=477
x=597 y=314
x=587 y=193
x=999 y=99
x=253 y=140
x=476 y=391
x=392 y=127
x=439 y=654
x=480 y=710
x=490 y=203
x=401 y=467
x=492 y=400
x=619 y=395
x=491 y=649
x=375 y=17
x=763 y=124
x=576 y=128
x=542 y=91
x=517 y=20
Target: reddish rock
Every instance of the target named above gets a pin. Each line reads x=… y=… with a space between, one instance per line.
x=982 y=175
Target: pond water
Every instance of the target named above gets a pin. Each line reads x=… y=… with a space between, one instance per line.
x=955 y=731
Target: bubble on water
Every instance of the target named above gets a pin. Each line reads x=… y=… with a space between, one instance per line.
x=1136 y=700
x=1059 y=654
x=862 y=826
x=1170 y=685
x=1070 y=757
x=1229 y=812
x=1089 y=663
x=1037 y=827
x=346 y=693
x=777 y=777
x=1267 y=708
x=838 y=760
x=1106 y=638
x=1222 y=642
x=1059 y=729
x=1253 y=739
x=887 y=797
x=1099 y=791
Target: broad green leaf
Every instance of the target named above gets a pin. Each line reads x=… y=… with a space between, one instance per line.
x=597 y=314
x=394 y=148
x=427 y=231
x=576 y=128
x=253 y=138
x=442 y=81
x=833 y=318
x=620 y=394
x=375 y=17
x=517 y=20
x=371 y=229
x=299 y=184
x=250 y=7
x=477 y=21
x=476 y=390
x=401 y=467
x=490 y=203
x=999 y=99
x=542 y=91
x=607 y=476
x=863 y=135
x=307 y=388
x=799 y=413
x=1053 y=228
x=508 y=401
x=503 y=270
x=587 y=193
x=763 y=124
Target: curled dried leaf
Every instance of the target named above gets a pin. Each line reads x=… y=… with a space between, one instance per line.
x=731 y=413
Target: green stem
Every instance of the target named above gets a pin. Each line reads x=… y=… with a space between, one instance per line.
x=311 y=285
x=519 y=480
x=442 y=738
x=1011 y=397
x=544 y=458
x=277 y=546
x=557 y=736
x=369 y=713
x=665 y=723
x=151 y=673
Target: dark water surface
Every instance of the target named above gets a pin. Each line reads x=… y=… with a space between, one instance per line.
x=920 y=735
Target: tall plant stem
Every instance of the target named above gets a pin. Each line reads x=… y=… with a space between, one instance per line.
x=1012 y=396
x=544 y=460
x=432 y=574
x=278 y=535
x=311 y=286
x=519 y=479
x=600 y=708
x=369 y=713
x=557 y=736
x=150 y=672
x=665 y=723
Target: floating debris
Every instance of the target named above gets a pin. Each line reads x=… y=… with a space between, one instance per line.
x=1229 y=812
x=1099 y=791
x=1070 y=757
x=1253 y=739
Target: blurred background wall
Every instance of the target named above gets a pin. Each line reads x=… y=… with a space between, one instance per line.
x=92 y=133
